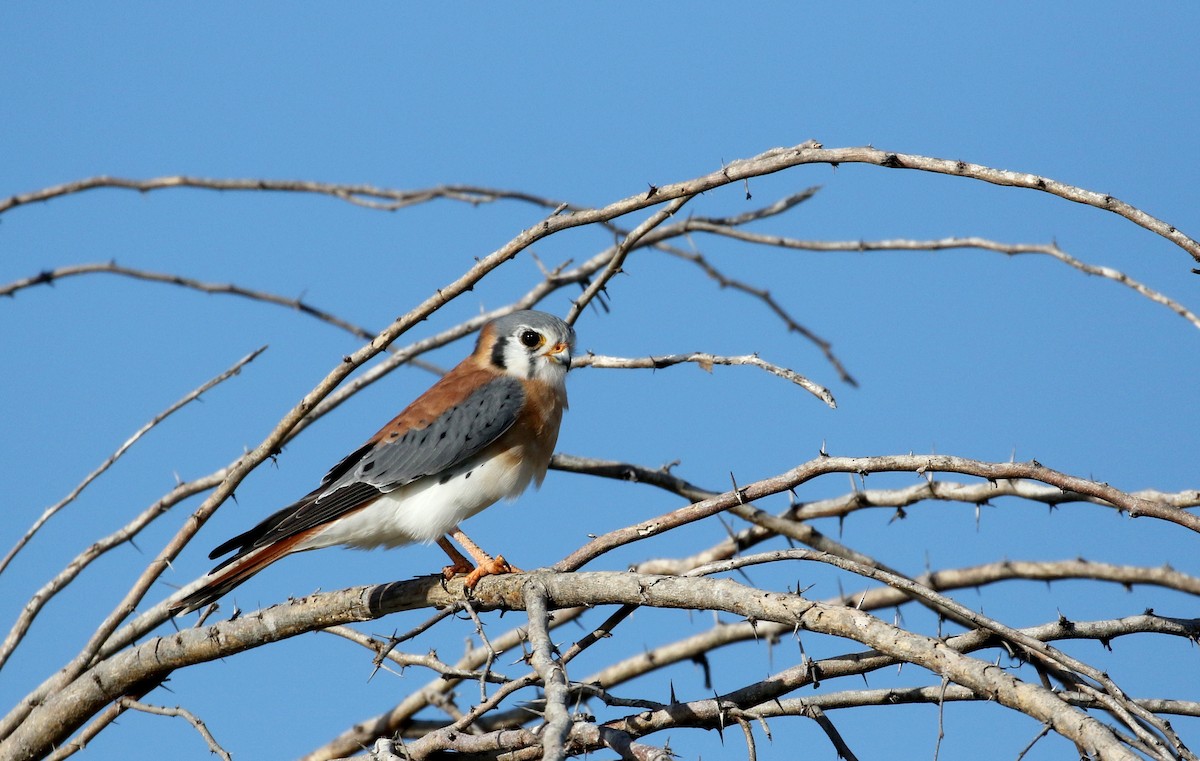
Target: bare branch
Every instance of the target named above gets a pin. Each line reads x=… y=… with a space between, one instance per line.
x=39 y=599
x=387 y=651
x=706 y=362
x=763 y=295
x=121 y=450
x=66 y=709
x=367 y=196
x=120 y=661
x=48 y=277
x=618 y=257
x=1011 y=249
x=182 y=713
x=552 y=675
x=920 y=464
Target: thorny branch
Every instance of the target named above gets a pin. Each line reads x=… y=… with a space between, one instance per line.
x=92 y=690
x=81 y=561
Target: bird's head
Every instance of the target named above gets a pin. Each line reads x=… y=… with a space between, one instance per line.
x=528 y=344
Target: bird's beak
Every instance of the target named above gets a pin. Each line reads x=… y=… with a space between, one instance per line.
x=560 y=353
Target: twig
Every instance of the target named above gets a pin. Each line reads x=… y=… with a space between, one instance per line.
x=748 y=733
x=618 y=257
x=764 y=295
x=387 y=199
x=39 y=599
x=1111 y=696
x=1011 y=249
x=815 y=713
x=706 y=361
x=121 y=450
x=386 y=651
x=395 y=720
x=941 y=727
x=182 y=713
x=920 y=464
x=1044 y=731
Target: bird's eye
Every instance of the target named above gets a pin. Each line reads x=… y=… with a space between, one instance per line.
x=531 y=338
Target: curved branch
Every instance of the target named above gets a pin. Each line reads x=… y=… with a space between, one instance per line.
x=768 y=162
x=919 y=464
x=706 y=362
x=367 y=196
x=54 y=720
x=48 y=277
x=96 y=549
x=1011 y=249
x=622 y=251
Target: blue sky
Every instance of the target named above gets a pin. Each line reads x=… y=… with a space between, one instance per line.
x=959 y=352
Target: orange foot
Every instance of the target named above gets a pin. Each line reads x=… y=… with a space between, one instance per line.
x=497 y=566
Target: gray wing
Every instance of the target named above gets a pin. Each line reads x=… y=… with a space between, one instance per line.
x=376 y=468
x=457 y=435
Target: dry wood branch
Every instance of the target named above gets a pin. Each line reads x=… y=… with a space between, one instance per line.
x=764 y=698
x=919 y=464
x=724 y=634
x=896 y=695
x=120 y=451
x=39 y=599
x=764 y=295
x=401 y=717
x=367 y=196
x=55 y=719
x=768 y=162
x=706 y=362
x=622 y=251
x=941 y=244
x=930 y=489
x=244 y=465
x=386 y=651
x=552 y=675
x=182 y=713
x=48 y=277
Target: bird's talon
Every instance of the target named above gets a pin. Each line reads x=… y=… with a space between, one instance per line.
x=450 y=571
x=498 y=566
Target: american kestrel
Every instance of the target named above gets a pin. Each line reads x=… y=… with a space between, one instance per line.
x=482 y=432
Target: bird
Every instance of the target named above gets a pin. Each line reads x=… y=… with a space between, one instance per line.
x=484 y=431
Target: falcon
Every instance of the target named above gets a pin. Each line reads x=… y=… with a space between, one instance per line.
x=483 y=432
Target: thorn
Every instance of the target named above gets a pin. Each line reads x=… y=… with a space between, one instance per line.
x=741 y=496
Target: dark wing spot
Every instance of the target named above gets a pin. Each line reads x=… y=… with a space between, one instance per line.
x=468 y=474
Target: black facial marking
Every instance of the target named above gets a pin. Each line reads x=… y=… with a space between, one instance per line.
x=498 y=352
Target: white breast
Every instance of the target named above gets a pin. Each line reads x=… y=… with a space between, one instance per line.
x=428 y=508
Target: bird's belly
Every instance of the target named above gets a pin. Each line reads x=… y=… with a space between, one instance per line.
x=428 y=508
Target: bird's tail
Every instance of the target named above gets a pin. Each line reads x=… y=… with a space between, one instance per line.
x=231 y=573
